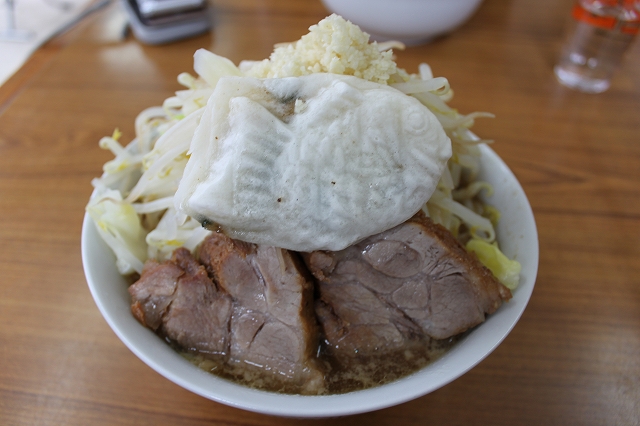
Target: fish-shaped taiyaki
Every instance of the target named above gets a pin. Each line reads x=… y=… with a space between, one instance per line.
x=317 y=162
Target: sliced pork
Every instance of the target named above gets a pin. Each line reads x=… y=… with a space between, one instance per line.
x=178 y=299
x=349 y=319
x=273 y=326
x=412 y=280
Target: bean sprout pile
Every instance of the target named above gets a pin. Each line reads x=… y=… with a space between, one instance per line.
x=133 y=207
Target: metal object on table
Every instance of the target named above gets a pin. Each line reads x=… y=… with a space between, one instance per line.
x=164 y=21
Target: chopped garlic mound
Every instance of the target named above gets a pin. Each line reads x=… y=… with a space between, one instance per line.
x=334 y=45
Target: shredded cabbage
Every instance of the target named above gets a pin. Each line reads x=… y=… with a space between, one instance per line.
x=506 y=270
x=119 y=226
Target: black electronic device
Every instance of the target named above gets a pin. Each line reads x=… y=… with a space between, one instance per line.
x=164 y=21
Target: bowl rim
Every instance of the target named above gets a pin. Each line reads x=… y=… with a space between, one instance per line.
x=465 y=355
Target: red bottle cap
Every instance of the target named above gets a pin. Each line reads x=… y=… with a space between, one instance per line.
x=626 y=26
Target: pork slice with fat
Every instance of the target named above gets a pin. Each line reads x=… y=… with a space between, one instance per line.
x=273 y=330
x=178 y=299
x=414 y=278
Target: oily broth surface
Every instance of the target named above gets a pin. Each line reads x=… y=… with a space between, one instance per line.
x=359 y=374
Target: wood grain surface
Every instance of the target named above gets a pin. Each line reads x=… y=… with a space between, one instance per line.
x=574 y=357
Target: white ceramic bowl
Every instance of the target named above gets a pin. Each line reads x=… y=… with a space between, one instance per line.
x=409 y=21
x=517 y=235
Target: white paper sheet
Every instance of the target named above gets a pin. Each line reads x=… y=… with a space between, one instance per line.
x=42 y=17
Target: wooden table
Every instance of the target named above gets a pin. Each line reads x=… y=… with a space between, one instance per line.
x=574 y=357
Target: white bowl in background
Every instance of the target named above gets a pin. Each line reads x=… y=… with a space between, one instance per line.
x=409 y=21
x=518 y=238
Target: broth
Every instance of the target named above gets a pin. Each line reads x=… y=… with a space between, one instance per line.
x=358 y=374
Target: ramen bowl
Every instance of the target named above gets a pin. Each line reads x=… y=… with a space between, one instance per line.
x=517 y=235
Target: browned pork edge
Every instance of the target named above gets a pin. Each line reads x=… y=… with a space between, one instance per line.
x=410 y=282
x=177 y=299
x=273 y=324
x=487 y=282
